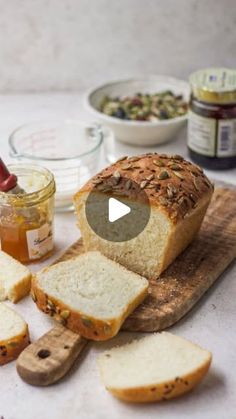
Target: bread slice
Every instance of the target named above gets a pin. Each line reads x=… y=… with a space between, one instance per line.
x=178 y=193
x=158 y=367
x=89 y=294
x=15 y=279
x=14 y=334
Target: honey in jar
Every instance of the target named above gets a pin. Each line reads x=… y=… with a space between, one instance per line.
x=26 y=219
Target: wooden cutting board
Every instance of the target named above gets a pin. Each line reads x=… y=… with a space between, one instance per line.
x=180 y=287
x=170 y=297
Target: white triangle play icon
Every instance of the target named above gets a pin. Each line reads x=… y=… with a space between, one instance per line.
x=116 y=210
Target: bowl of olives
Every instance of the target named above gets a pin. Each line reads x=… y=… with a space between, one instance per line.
x=141 y=111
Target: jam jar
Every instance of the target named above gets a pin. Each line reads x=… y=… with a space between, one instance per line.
x=26 y=218
x=212 y=118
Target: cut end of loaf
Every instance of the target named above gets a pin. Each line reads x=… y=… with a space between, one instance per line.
x=90 y=294
x=15 y=279
x=155 y=368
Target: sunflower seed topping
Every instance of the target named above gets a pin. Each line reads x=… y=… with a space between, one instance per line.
x=143 y=184
x=171 y=191
x=177 y=157
x=175 y=166
x=195 y=184
x=150 y=177
x=179 y=175
x=51 y=304
x=97 y=181
x=126 y=166
x=128 y=184
x=106 y=175
x=116 y=176
x=158 y=163
x=121 y=159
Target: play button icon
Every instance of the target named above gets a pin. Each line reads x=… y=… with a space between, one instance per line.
x=117 y=211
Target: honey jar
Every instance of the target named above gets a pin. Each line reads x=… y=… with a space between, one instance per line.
x=212 y=118
x=26 y=218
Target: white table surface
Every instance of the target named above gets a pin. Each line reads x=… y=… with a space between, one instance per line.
x=81 y=395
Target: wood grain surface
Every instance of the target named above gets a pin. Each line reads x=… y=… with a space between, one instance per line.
x=180 y=287
x=48 y=359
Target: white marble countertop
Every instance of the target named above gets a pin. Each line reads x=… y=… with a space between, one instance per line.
x=80 y=395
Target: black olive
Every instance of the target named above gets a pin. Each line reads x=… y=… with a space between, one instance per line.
x=120 y=113
x=163 y=114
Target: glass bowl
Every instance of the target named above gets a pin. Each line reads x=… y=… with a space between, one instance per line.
x=70 y=149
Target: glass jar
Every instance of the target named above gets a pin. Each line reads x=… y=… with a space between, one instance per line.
x=70 y=149
x=26 y=219
x=212 y=118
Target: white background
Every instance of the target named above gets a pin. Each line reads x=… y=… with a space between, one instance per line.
x=72 y=44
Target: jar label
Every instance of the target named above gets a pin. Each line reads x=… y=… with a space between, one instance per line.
x=226 y=138
x=211 y=137
x=39 y=241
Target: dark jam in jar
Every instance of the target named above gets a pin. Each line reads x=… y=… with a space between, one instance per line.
x=212 y=119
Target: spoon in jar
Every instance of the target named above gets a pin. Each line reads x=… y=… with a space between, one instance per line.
x=8 y=181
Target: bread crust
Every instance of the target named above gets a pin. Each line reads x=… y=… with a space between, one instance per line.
x=165 y=391
x=87 y=326
x=10 y=349
x=172 y=184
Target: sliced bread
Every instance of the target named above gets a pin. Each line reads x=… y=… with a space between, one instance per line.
x=90 y=294
x=158 y=367
x=14 y=334
x=15 y=279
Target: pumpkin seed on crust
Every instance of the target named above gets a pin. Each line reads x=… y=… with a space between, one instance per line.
x=87 y=322
x=65 y=314
x=163 y=175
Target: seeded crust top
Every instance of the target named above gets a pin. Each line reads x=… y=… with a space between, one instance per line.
x=170 y=182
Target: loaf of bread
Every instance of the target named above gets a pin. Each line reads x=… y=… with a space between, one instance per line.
x=14 y=334
x=90 y=294
x=178 y=193
x=15 y=279
x=158 y=367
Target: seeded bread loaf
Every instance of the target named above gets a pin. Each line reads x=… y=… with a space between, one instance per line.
x=89 y=294
x=178 y=193
x=157 y=367
x=14 y=334
x=15 y=279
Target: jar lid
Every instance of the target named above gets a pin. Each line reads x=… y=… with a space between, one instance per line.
x=214 y=85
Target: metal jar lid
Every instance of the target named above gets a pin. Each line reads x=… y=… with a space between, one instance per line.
x=214 y=85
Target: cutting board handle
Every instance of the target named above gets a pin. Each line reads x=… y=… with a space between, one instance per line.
x=48 y=359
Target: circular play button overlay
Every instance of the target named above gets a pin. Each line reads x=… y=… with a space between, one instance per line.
x=117 y=211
